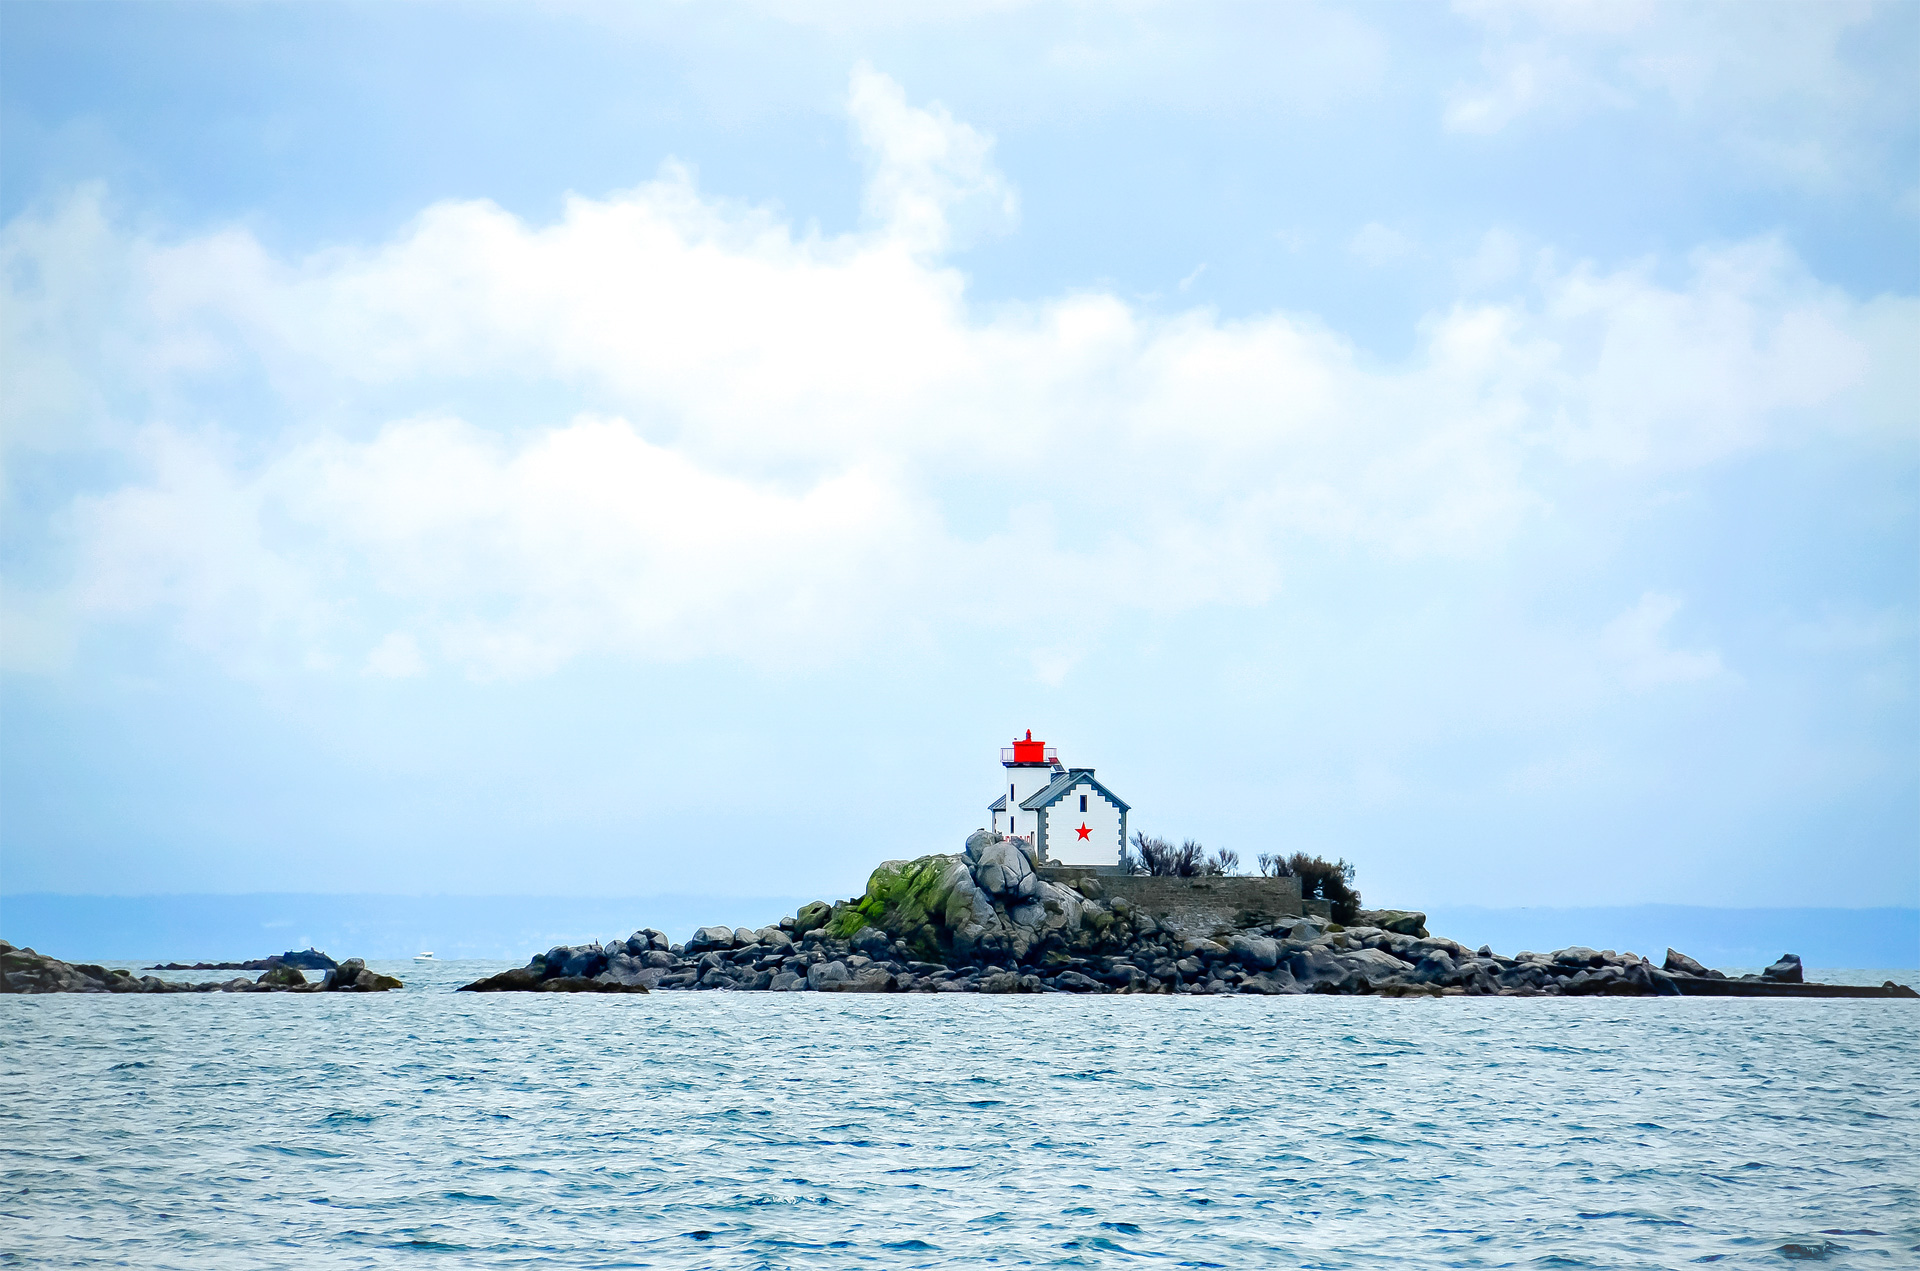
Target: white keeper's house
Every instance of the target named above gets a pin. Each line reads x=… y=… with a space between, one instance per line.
x=1071 y=818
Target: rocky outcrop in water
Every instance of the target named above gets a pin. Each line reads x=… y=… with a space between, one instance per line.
x=24 y=971
x=1785 y=971
x=302 y=959
x=633 y=965
x=987 y=920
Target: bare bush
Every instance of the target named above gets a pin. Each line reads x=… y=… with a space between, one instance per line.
x=1274 y=865
x=1162 y=859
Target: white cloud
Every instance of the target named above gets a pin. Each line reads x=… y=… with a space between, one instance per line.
x=1635 y=644
x=1792 y=87
x=506 y=559
x=930 y=175
x=755 y=444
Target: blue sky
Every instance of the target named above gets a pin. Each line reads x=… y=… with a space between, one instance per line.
x=627 y=449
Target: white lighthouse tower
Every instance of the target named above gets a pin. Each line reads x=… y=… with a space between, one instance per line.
x=1071 y=818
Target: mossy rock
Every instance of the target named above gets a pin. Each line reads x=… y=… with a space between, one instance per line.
x=845 y=922
x=918 y=901
x=812 y=917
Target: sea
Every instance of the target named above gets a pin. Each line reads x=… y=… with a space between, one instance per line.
x=425 y=1128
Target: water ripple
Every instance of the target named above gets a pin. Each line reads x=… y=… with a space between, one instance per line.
x=426 y=1129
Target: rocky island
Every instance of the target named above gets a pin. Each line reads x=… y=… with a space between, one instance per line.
x=308 y=959
x=24 y=971
x=995 y=919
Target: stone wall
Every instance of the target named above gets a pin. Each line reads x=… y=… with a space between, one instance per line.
x=1196 y=905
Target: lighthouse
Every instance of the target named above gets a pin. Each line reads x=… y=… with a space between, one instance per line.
x=1071 y=818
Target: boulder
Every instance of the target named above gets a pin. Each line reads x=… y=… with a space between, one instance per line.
x=871 y=941
x=1271 y=983
x=979 y=840
x=644 y=941
x=812 y=917
x=1578 y=955
x=1785 y=971
x=1009 y=982
x=1005 y=870
x=283 y=976
x=581 y=961
x=710 y=938
x=1435 y=968
x=827 y=975
x=1679 y=963
x=522 y=979
x=581 y=984
x=1651 y=980
x=1406 y=922
x=1254 y=952
x=344 y=977
x=872 y=978
x=624 y=968
x=352 y=976
x=1356 y=971
x=1307 y=928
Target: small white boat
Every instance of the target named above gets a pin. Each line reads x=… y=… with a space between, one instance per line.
x=423 y=957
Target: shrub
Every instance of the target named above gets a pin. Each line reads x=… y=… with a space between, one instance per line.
x=1162 y=859
x=1274 y=865
x=1331 y=881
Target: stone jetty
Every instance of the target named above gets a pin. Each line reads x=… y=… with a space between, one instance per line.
x=990 y=920
x=24 y=971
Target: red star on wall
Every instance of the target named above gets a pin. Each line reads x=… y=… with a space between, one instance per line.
x=1084 y=831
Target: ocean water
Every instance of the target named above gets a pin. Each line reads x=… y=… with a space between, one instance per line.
x=428 y=1129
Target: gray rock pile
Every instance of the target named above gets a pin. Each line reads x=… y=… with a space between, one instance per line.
x=1129 y=953
x=24 y=971
x=987 y=920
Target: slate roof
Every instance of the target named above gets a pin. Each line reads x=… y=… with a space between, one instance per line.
x=998 y=805
x=1059 y=787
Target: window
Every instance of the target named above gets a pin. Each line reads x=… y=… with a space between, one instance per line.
x=1009 y=796
x=1083 y=803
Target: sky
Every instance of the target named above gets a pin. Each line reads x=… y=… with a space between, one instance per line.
x=625 y=449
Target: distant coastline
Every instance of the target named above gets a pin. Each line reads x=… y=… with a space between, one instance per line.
x=223 y=927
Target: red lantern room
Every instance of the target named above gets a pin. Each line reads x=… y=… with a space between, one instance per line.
x=1025 y=751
